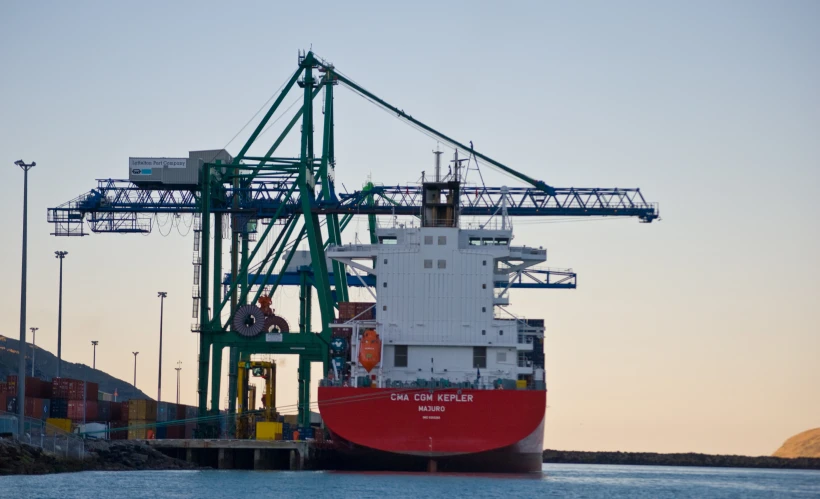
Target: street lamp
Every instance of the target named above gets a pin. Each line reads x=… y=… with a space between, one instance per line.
x=21 y=368
x=178 y=368
x=161 y=295
x=94 y=343
x=60 y=255
x=135 y=369
x=33 y=347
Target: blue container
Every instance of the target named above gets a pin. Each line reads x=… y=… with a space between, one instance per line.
x=59 y=408
x=338 y=345
x=162 y=432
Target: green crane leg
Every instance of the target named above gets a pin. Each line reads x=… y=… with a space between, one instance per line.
x=204 y=319
x=305 y=301
x=233 y=360
x=304 y=392
x=216 y=378
x=217 y=284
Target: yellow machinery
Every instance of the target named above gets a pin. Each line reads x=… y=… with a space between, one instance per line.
x=246 y=414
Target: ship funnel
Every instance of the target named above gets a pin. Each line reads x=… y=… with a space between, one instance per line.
x=438 y=164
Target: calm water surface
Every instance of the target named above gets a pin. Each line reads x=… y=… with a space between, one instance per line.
x=557 y=480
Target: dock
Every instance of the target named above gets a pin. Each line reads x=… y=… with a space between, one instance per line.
x=238 y=454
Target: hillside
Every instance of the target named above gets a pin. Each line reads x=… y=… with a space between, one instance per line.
x=46 y=368
x=806 y=444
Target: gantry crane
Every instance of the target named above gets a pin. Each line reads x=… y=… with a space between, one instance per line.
x=297 y=195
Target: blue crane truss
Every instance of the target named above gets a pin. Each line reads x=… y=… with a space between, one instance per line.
x=121 y=206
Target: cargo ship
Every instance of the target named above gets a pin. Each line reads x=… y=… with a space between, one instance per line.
x=436 y=374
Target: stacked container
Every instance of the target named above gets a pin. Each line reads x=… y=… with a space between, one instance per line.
x=74 y=389
x=360 y=311
x=103 y=411
x=166 y=411
x=35 y=387
x=141 y=413
x=75 y=399
x=190 y=424
x=81 y=411
x=59 y=408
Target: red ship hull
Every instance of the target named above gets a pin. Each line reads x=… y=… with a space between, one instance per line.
x=459 y=429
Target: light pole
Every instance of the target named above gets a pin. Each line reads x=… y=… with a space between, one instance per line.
x=94 y=343
x=161 y=295
x=33 y=347
x=178 y=368
x=60 y=255
x=135 y=368
x=21 y=368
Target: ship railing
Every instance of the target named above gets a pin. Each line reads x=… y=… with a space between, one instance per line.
x=482 y=383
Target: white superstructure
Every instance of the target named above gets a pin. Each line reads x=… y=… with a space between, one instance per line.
x=438 y=293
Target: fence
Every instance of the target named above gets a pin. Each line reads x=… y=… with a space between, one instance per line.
x=49 y=438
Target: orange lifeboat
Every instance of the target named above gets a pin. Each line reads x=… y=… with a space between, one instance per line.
x=370 y=350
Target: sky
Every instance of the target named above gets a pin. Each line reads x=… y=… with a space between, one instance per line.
x=695 y=333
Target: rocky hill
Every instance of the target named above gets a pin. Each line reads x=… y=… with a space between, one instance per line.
x=46 y=368
x=685 y=459
x=806 y=444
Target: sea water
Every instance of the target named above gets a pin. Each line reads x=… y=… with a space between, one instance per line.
x=555 y=480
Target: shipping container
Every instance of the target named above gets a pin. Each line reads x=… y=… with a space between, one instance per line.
x=59 y=408
x=103 y=411
x=189 y=430
x=137 y=430
x=117 y=430
x=361 y=311
x=82 y=411
x=175 y=431
x=124 y=411
x=74 y=389
x=142 y=410
x=268 y=430
x=37 y=408
x=191 y=412
x=116 y=411
x=166 y=411
x=35 y=387
x=58 y=426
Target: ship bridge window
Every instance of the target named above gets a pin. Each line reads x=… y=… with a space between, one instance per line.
x=475 y=241
x=442 y=240
x=388 y=240
x=428 y=239
x=480 y=357
x=400 y=356
x=502 y=241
